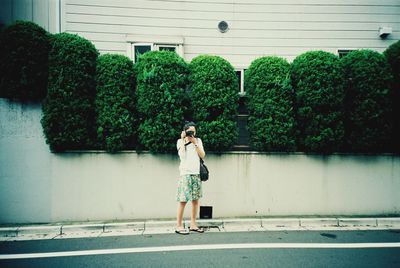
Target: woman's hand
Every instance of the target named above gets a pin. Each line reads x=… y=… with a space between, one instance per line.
x=183 y=134
x=192 y=140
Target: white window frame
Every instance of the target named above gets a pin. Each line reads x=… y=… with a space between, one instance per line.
x=241 y=70
x=132 y=49
x=155 y=41
x=157 y=46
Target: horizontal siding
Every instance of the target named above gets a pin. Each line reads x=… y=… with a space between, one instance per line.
x=109 y=45
x=120 y=52
x=235 y=33
x=276 y=50
x=248 y=36
x=329 y=41
x=342 y=14
x=239 y=5
x=282 y=42
x=284 y=28
x=95 y=36
x=238 y=25
x=289 y=2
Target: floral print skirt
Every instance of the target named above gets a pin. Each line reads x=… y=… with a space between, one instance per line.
x=189 y=188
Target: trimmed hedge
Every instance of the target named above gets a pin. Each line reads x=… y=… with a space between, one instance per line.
x=368 y=104
x=392 y=54
x=24 y=49
x=115 y=102
x=317 y=80
x=214 y=94
x=270 y=105
x=161 y=81
x=68 y=110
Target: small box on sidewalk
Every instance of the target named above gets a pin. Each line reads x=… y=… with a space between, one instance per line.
x=205 y=212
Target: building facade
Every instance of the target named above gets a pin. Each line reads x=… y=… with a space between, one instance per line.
x=39 y=186
x=238 y=30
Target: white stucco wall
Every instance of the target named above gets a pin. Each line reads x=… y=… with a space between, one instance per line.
x=39 y=186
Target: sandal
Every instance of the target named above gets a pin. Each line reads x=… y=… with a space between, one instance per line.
x=197 y=230
x=182 y=232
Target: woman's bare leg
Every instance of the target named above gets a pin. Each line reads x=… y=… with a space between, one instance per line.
x=195 y=209
x=179 y=217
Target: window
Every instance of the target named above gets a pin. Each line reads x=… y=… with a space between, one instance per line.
x=141 y=48
x=240 y=76
x=138 y=44
x=166 y=47
x=344 y=52
x=243 y=139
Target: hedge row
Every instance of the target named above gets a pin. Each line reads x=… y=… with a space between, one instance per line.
x=392 y=54
x=319 y=103
x=115 y=103
x=24 y=49
x=161 y=81
x=68 y=109
x=368 y=103
x=214 y=95
x=317 y=79
x=270 y=105
x=339 y=104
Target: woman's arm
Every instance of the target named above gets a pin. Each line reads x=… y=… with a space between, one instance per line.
x=199 y=147
x=200 y=151
x=181 y=145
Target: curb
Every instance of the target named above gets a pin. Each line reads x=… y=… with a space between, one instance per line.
x=214 y=225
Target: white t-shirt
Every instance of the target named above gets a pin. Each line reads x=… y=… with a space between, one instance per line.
x=190 y=160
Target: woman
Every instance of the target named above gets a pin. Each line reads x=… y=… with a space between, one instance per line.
x=190 y=149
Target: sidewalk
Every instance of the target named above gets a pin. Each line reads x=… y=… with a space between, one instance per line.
x=150 y=227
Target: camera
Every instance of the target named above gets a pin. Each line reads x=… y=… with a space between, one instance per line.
x=189 y=133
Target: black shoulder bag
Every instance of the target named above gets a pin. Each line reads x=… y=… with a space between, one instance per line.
x=203 y=171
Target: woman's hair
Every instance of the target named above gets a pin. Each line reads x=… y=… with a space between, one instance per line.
x=188 y=125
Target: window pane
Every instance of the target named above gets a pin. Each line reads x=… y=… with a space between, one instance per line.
x=344 y=52
x=168 y=48
x=239 y=76
x=244 y=71
x=139 y=50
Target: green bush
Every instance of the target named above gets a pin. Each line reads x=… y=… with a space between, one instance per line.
x=115 y=102
x=214 y=94
x=392 y=54
x=270 y=105
x=24 y=49
x=317 y=80
x=367 y=103
x=68 y=109
x=161 y=81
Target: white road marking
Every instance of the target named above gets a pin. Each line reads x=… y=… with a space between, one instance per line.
x=198 y=247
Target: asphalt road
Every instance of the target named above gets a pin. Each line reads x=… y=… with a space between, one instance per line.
x=213 y=249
